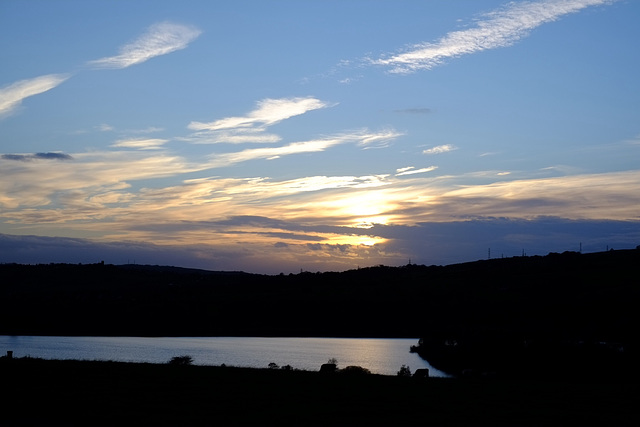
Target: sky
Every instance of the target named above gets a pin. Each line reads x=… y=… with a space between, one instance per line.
x=287 y=136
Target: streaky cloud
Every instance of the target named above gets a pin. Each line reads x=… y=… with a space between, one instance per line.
x=439 y=149
x=407 y=168
x=53 y=156
x=252 y=127
x=416 y=171
x=633 y=141
x=414 y=111
x=141 y=143
x=160 y=39
x=500 y=28
x=12 y=95
x=151 y=129
x=233 y=136
x=268 y=112
x=362 y=138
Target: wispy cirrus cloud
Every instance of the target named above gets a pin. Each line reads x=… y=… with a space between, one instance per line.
x=233 y=136
x=500 y=28
x=440 y=149
x=363 y=138
x=160 y=39
x=269 y=188
x=414 y=111
x=12 y=95
x=252 y=127
x=410 y=170
x=633 y=141
x=268 y=112
x=141 y=143
x=150 y=129
x=105 y=128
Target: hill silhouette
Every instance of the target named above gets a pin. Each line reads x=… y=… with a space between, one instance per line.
x=466 y=314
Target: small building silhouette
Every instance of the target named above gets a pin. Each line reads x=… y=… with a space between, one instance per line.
x=328 y=368
x=421 y=373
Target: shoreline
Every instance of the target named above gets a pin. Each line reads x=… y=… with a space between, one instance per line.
x=382 y=356
x=71 y=392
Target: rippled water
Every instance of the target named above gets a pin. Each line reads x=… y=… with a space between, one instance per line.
x=380 y=356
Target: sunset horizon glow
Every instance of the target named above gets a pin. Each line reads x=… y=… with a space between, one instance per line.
x=283 y=136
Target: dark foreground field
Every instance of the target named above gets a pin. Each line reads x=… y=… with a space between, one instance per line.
x=60 y=393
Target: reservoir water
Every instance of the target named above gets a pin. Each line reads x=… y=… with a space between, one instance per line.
x=379 y=355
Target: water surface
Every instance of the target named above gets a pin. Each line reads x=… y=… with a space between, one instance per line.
x=379 y=355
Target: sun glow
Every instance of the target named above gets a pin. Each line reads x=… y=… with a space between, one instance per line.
x=370 y=240
x=371 y=221
x=355 y=240
x=362 y=210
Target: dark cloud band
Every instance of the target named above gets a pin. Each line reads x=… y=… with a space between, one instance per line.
x=37 y=156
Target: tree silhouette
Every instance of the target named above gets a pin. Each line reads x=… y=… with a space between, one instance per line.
x=181 y=360
x=404 y=371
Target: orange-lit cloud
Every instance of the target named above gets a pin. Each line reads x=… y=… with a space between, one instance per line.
x=95 y=192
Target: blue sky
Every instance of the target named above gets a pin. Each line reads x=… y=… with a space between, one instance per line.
x=274 y=136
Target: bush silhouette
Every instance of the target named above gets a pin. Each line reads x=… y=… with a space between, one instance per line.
x=404 y=371
x=355 y=370
x=181 y=360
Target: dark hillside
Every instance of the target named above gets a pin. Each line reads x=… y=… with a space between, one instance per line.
x=511 y=302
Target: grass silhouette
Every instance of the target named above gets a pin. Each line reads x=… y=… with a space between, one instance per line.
x=64 y=392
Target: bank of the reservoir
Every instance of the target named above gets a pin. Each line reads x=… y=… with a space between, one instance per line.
x=49 y=392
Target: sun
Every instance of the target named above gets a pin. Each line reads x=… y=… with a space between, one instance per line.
x=363 y=210
x=356 y=240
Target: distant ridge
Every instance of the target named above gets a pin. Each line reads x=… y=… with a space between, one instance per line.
x=178 y=270
x=583 y=296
